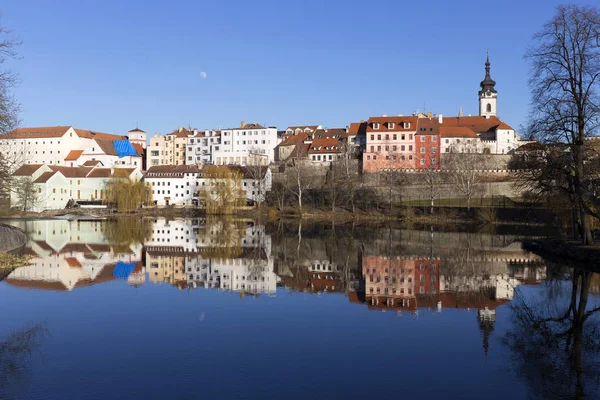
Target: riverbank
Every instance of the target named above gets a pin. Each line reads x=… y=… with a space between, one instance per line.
x=408 y=214
x=565 y=251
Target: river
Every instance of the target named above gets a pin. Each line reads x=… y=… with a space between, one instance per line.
x=195 y=308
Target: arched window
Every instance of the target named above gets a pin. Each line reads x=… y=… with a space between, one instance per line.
x=489 y=107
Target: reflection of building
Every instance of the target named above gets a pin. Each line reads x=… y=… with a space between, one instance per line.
x=70 y=254
x=217 y=255
x=395 y=282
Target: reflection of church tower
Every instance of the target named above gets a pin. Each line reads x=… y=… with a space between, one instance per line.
x=488 y=97
x=487 y=319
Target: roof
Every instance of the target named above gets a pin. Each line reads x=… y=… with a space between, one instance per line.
x=329 y=133
x=38 y=132
x=27 y=169
x=300 y=151
x=73 y=262
x=385 y=123
x=303 y=128
x=137 y=130
x=250 y=126
x=181 y=133
x=477 y=123
x=532 y=146
x=326 y=145
x=426 y=126
x=98 y=135
x=161 y=171
x=107 y=147
x=45 y=177
x=457 y=132
x=139 y=148
x=73 y=155
x=358 y=128
x=99 y=173
x=56 y=132
x=294 y=139
x=124 y=148
x=92 y=163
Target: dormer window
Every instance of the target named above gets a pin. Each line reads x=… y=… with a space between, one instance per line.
x=406 y=125
x=375 y=125
x=391 y=125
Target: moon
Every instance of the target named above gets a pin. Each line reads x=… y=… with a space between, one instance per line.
x=203 y=75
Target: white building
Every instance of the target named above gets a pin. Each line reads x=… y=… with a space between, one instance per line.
x=56 y=185
x=247 y=145
x=201 y=147
x=50 y=145
x=180 y=184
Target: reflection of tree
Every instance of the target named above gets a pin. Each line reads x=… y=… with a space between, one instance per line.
x=121 y=233
x=15 y=351
x=552 y=350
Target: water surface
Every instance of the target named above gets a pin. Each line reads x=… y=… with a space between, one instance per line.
x=185 y=309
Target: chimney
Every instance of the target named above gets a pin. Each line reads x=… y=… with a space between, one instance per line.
x=429 y=114
x=440 y=118
x=242 y=124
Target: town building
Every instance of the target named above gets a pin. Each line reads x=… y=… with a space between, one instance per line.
x=250 y=144
x=390 y=143
x=109 y=153
x=181 y=184
x=55 y=186
x=201 y=146
x=52 y=145
x=169 y=149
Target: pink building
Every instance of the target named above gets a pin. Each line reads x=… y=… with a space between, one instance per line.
x=390 y=143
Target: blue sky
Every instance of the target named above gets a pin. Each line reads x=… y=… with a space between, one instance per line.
x=105 y=65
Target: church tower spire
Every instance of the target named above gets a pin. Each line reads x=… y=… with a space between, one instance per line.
x=488 y=97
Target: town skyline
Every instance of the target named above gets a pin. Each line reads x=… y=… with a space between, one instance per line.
x=285 y=74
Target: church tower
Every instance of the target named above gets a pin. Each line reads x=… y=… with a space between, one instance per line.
x=488 y=97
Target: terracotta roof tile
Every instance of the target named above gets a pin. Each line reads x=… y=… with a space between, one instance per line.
x=73 y=262
x=457 y=132
x=43 y=178
x=27 y=169
x=98 y=135
x=73 y=155
x=385 y=124
x=358 y=128
x=38 y=132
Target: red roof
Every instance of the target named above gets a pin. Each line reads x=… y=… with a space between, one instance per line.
x=358 y=128
x=392 y=124
x=457 y=132
x=73 y=155
x=73 y=262
x=27 y=169
x=477 y=124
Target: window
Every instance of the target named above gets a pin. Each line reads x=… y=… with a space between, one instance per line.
x=422 y=161
x=402 y=148
x=434 y=138
x=372 y=149
x=378 y=137
x=433 y=161
x=387 y=137
x=489 y=107
x=375 y=125
x=395 y=137
x=391 y=125
x=434 y=150
x=410 y=148
x=422 y=139
x=422 y=150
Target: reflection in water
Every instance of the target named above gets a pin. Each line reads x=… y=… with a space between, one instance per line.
x=555 y=339
x=71 y=254
x=16 y=351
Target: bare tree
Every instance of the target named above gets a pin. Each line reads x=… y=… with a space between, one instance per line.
x=9 y=109
x=564 y=83
x=299 y=178
x=26 y=193
x=464 y=169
